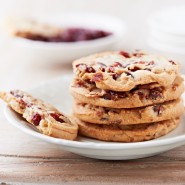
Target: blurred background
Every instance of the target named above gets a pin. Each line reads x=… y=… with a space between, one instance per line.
x=18 y=70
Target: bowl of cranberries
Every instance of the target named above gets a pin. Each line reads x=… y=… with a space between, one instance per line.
x=65 y=37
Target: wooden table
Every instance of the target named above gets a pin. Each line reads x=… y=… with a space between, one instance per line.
x=24 y=159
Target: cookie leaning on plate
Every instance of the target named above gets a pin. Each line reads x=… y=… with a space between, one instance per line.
x=121 y=71
x=110 y=116
x=130 y=133
x=140 y=96
x=43 y=116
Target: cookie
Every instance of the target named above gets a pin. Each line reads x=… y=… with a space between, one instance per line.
x=122 y=71
x=47 y=119
x=153 y=113
x=129 y=133
x=27 y=28
x=140 y=96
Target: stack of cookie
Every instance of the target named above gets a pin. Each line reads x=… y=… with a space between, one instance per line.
x=126 y=97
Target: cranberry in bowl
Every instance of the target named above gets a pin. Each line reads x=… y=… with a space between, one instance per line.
x=65 y=37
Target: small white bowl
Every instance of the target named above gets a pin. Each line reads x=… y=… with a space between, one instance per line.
x=65 y=52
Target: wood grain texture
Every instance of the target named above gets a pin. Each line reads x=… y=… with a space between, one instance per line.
x=154 y=170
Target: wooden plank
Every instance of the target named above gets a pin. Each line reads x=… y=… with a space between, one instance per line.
x=150 y=170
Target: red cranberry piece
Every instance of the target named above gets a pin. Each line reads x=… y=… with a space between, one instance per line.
x=141 y=94
x=125 y=54
x=57 y=38
x=172 y=62
x=135 y=69
x=111 y=69
x=117 y=64
x=81 y=67
x=151 y=63
x=56 y=116
x=36 y=118
x=16 y=94
x=102 y=69
x=89 y=81
x=22 y=102
x=115 y=76
x=138 y=54
x=29 y=104
x=81 y=84
x=98 y=77
x=70 y=35
x=99 y=113
x=84 y=68
x=80 y=34
x=102 y=66
x=112 y=95
x=158 y=109
x=155 y=93
x=90 y=70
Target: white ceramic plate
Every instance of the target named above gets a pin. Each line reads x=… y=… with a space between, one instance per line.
x=63 y=52
x=56 y=92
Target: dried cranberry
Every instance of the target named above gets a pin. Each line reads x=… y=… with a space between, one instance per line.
x=151 y=63
x=115 y=76
x=141 y=94
x=23 y=103
x=107 y=96
x=102 y=69
x=89 y=81
x=138 y=54
x=111 y=69
x=134 y=69
x=98 y=77
x=99 y=113
x=117 y=64
x=56 y=116
x=158 y=109
x=172 y=62
x=81 y=84
x=102 y=66
x=36 y=118
x=16 y=94
x=155 y=93
x=90 y=70
x=29 y=104
x=81 y=67
x=112 y=95
x=84 y=68
x=125 y=54
x=67 y=35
